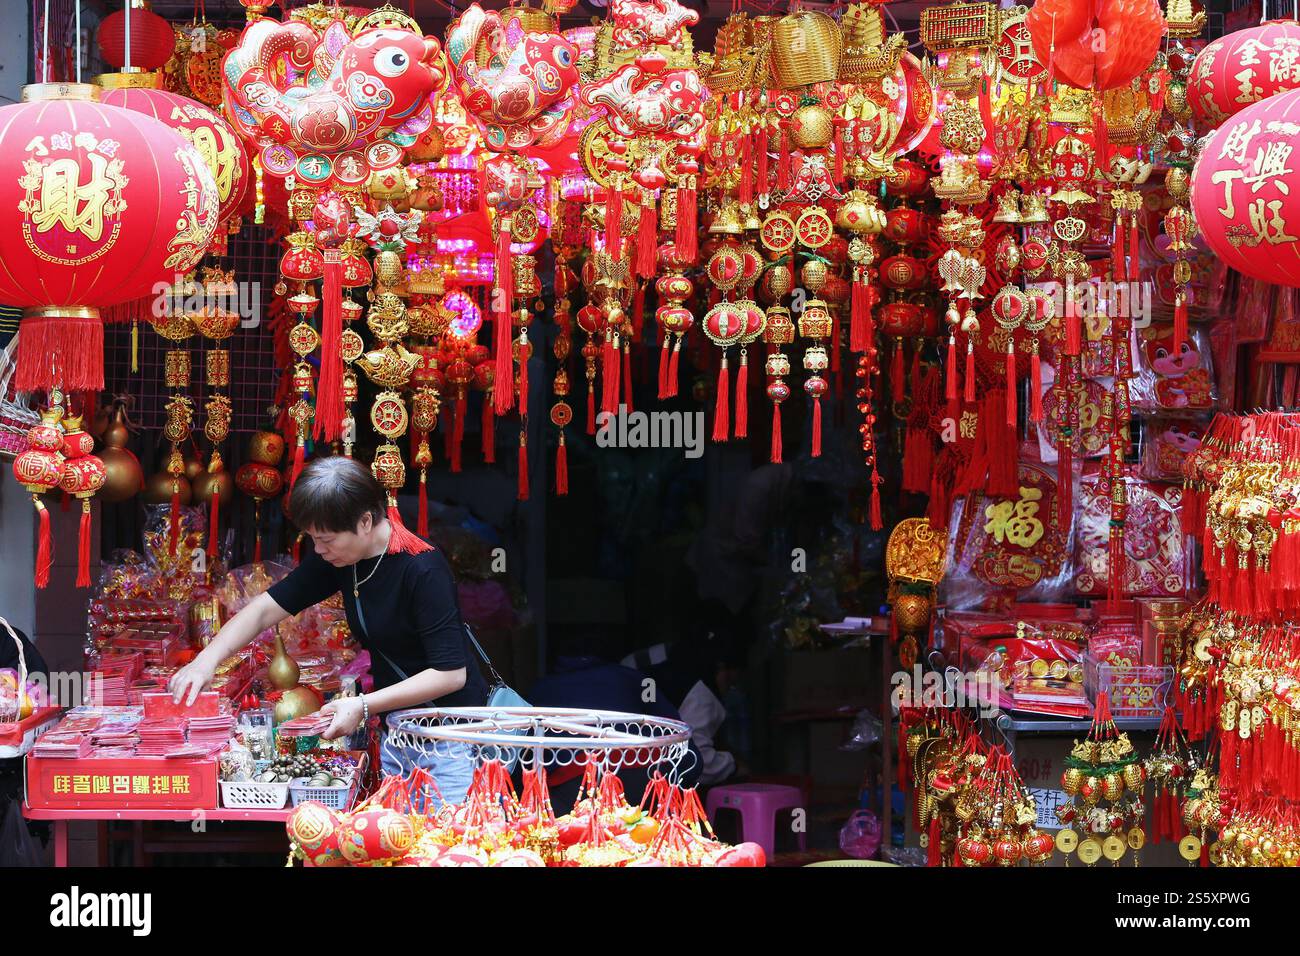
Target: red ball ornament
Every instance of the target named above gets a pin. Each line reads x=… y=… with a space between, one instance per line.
x=1242 y=68
x=1246 y=194
x=152 y=39
x=259 y=480
x=374 y=835
x=109 y=203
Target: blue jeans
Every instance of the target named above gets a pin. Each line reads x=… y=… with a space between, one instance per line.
x=450 y=764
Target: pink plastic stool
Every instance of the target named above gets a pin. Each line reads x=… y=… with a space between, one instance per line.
x=758 y=804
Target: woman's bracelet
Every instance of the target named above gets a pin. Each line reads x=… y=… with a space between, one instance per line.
x=365 y=711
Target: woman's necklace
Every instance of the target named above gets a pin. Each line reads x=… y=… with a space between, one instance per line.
x=356 y=585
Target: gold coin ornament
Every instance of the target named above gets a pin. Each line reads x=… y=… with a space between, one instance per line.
x=1137 y=838
x=1113 y=848
x=1189 y=848
x=1090 y=851
x=1067 y=841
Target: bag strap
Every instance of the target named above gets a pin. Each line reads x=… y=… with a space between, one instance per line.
x=496 y=678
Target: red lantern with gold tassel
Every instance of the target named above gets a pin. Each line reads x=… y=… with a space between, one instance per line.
x=83 y=475
x=109 y=203
x=39 y=469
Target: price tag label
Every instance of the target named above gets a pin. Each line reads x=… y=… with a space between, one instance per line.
x=1046 y=802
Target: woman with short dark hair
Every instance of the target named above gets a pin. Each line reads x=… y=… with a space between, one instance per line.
x=400 y=600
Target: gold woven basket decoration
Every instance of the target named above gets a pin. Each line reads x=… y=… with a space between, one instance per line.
x=805 y=49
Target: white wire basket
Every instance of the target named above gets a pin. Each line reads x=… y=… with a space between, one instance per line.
x=545 y=737
x=252 y=795
x=336 y=798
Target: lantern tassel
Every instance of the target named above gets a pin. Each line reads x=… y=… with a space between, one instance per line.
x=83 y=545
x=647 y=233
x=422 y=514
x=897 y=379
x=760 y=144
x=1134 y=252
x=876 y=522
x=503 y=392
x=1180 y=321
x=174 y=519
x=746 y=195
x=329 y=396
x=523 y=373
x=1118 y=263
x=1036 y=387
x=523 y=466
x=777 y=450
x=859 y=315
x=458 y=432
x=687 y=221
x=56 y=351
x=488 y=432
x=562 y=467
x=400 y=537
x=722 y=402
x=970 y=371
x=672 y=368
x=742 y=396
x=665 y=356
x=627 y=376
x=817 y=427
x=299 y=458
x=950 y=386
x=591 y=408
x=1011 y=385
x=213 y=532
x=613 y=219
x=44 y=549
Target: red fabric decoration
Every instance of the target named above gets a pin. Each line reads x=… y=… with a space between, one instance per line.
x=503 y=391
x=523 y=466
x=647 y=234
x=422 y=515
x=950 y=386
x=777 y=450
x=174 y=520
x=627 y=376
x=1036 y=388
x=672 y=368
x=742 y=396
x=399 y=537
x=83 y=545
x=897 y=380
x=488 y=432
x=722 y=403
x=1011 y=385
x=970 y=371
x=665 y=356
x=817 y=428
x=523 y=375
x=591 y=408
x=329 y=393
x=562 y=467
x=213 y=532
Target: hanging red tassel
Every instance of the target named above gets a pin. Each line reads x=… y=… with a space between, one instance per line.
x=840 y=149
x=722 y=402
x=1011 y=385
x=400 y=537
x=876 y=522
x=970 y=371
x=647 y=234
x=638 y=313
x=1118 y=265
x=329 y=392
x=591 y=408
x=299 y=459
x=933 y=852
x=613 y=219
x=523 y=466
x=777 y=449
x=950 y=387
x=562 y=467
x=422 y=515
x=742 y=396
x=687 y=221
x=817 y=427
x=1073 y=324
x=1064 y=482
x=214 y=535
x=83 y=545
x=673 y=367
x=488 y=432
x=665 y=354
x=627 y=377
x=64 y=351
x=174 y=520
x=503 y=378
x=897 y=383
x=760 y=145
x=457 y=433
x=783 y=159
x=1036 y=388
x=1180 y=320
x=746 y=170
x=1134 y=252
x=610 y=376
x=523 y=374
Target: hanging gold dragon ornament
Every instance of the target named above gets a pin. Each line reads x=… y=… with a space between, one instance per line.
x=519 y=80
x=642 y=152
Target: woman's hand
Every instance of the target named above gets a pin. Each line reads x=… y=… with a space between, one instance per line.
x=190 y=680
x=347 y=713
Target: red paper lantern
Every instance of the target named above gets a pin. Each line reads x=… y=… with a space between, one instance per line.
x=152 y=39
x=259 y=480
x=1242 y=68
x=1096 y=44
x=205 y=130
x=1246 y=193
x=374 y=835
x=110 y=202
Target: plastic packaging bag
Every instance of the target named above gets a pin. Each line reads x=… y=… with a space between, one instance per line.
x=865 y=732
x=860 y=836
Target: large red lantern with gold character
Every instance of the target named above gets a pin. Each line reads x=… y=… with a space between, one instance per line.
x=204 y=129
x=1241 y=69
x=1246 y=191
x=108 y=203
